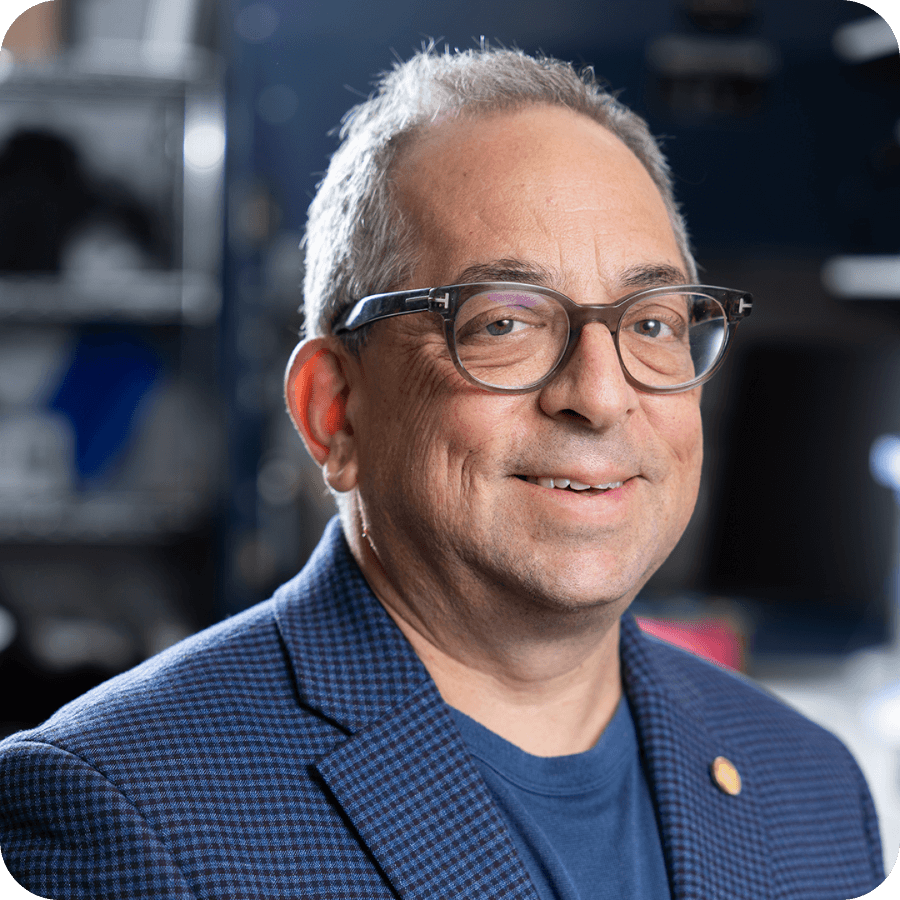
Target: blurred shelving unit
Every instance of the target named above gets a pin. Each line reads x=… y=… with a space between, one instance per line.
x=112 y=472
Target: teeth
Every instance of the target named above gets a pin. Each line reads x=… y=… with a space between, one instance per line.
x=562 y=483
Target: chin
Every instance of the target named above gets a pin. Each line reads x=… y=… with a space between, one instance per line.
x=584 y=587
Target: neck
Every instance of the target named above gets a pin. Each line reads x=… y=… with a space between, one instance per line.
x=548 y=683
x=546 y=701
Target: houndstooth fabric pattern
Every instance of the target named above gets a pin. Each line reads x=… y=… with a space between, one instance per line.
x=300 y=750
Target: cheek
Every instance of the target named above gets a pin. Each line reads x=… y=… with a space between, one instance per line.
x=437 y=432
x=687 y=448
x=678 y=435
x=476 y=420
x=687 y=442
x=675 y=419
x=398 y=416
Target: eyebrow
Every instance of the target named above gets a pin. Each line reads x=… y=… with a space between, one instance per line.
x=651 y=275
x=507 y=270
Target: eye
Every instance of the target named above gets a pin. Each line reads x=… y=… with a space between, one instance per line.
x=652 y=328
x=508 y=317
x=662 y=318
x=503 y=326
x=504 y=322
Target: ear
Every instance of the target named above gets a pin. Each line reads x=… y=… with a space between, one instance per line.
x=316 y=390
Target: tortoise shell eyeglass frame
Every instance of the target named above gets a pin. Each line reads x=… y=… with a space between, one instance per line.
x=448 y=299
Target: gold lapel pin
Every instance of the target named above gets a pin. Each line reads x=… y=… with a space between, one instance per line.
x=726 y=776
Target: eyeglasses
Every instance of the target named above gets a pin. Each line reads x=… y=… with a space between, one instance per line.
x=514 y=338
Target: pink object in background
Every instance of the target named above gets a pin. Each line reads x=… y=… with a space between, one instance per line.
x=715 y=639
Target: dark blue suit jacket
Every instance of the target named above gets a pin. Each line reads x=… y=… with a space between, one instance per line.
x=301 y=750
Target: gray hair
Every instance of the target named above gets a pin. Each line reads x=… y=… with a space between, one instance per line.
x=357 y=239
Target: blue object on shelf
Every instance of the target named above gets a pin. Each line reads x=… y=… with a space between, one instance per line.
x=110 y=375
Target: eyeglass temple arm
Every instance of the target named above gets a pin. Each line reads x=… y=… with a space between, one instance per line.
x=738 y=305
x=394 y=303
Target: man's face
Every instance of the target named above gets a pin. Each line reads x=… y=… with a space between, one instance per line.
x=446 y=469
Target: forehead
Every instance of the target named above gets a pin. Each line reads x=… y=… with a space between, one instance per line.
x=540 y=183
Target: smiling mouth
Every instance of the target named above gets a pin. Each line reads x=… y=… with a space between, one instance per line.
x=568 y=484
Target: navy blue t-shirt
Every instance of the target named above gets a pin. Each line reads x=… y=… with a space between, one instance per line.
x=584 y=825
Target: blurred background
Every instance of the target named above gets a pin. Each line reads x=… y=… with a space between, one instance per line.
x=156 y=161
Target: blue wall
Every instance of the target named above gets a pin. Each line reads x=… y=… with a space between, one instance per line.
x=790 y=176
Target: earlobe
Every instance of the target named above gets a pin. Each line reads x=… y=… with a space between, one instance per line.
x=316 y=392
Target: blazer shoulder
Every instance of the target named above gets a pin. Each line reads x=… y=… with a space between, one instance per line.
x=61 y=822
x=728 y=702
x=803 y=776
x=230 y=676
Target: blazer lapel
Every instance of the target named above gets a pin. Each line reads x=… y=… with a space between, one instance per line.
x=418 y=803
x=715 y=843
x=403 y=776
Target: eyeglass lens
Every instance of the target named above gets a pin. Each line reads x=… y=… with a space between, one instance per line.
x=513 y=338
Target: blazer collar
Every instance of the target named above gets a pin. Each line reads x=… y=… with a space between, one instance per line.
x=351 y=662
x=406 y=781
x=404 y=777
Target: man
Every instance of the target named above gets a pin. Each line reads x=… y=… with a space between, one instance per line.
x=502 y=389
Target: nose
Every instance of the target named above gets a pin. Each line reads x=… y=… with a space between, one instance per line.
x=591 y=385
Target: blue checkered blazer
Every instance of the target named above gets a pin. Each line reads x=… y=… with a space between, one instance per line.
x=301 y=750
